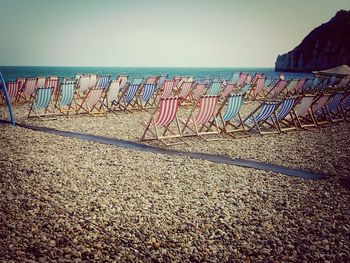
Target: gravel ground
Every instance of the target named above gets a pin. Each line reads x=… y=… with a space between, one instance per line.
x=63 y=199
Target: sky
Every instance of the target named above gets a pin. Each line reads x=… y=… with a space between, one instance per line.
x=156 y=33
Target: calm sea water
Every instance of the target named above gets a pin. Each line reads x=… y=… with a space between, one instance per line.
x=11 y=72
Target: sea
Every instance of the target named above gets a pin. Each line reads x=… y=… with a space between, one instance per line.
x=11 y=73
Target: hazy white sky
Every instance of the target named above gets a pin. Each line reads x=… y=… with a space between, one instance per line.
x=151 y=33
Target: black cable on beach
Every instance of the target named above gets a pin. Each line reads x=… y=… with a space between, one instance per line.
x=196 y=155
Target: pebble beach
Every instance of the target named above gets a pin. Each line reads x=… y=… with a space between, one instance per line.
x=65 y=199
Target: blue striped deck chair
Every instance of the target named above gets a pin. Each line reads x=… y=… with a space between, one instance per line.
x=129 y=98
x=214 y=89
x=104 y=81
x=234 y=78
x=307 y=87
x=284 y=117
x=147 y=99
x=231 y=121
x=315 y=82
x=42 y=105
x=332 y=110
x=66 y=102
x=263 y=118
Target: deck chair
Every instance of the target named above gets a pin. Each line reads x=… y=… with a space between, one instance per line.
x=258 y=90
x=231 y=121
x=20 y=82
x=332 y=110
x=343 y=83
x=228 y=90
x=284 y=115
x=277 y=90
x=137 y=81
x=93 y=103
x=66 y=101
x=290 y=88
x=161 y=80
x=214 y=89
x=13 y=93
x=318 y=109
x=162 y=128
x=204 y=123
x=129 y=98
x=242 y=79
x=307 y=87
x=112 y=96
x=42 y=105
x=234 y=78
x=122 y=80
x=148 y=97
x=298 y=88
x=345 y=106
x=28 y=90
x=53 y=81
x=303 y=113
x=41 y=82
x=263 y=118
x=167 y=90
x=185 y=92
x=152 y=80
x=103 y=81
x=255 y=78
x=92 y=80
x=83 y=83
x=248 y=80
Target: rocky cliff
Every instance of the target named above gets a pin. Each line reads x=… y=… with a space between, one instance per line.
x=324 y=47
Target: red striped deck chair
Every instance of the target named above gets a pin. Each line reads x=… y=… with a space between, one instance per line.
x=277 y=89
x=242 y=79
x=303 y=113
x=204 y=123
x=199 y=91
x=28 y=90
x=168 y=87
x=53 y=81
x=228 y=90
x=20 y=82
x=93 y=103
x=152 y=80
x=185 y=92
x=319 y=109
x=297 y=89
x=42 y=105
x=13 y=92
x=255 y=77
x=258 y=90
x=122 y=80
x=164 y=125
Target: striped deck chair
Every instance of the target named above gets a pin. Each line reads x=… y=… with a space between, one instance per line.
x=42 y=105
x=137 y=81
x=92 y=80
x=284 y=115
x=255 y=78
x=290 y=88
x=257 y=90
x=333 y=108
x=66 y=103
x=343 y=83
x=198 y=92
x=307 y=87
x=186 y=92
x=103 y=81
x=93 y=103
x=21 y=82
x=83 y=83
x=248 y=79
x=122 y=80
x=148 y=97
x=204 y=123
x=303 y=113
x=112 y=96
x=13 y=92
x=162 y=78
x=228 y=90
x=234 y=78
x=29 y=89
x=214 y=89
x=152 y=80
x=298 y=87
x=231 y=120
x=162 y=127
x=41 y=82
x=168 y=87
x=318 y=109
x=315 y=82
x=129 y=98
x=333 y=80
x=345 y=106
x=53 y=81
x=277 y=90
x=322 y=86
x=263 y=118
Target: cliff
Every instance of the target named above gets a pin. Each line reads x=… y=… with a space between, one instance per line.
x=324 y=47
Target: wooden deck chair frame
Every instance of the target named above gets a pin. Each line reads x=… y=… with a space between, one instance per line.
x=278 y=89
x=147 y=98
x=112 y=95
x=185 y=92
x=318 y=109
x=129 y=98
x=160 y=127
x=66 y=102
x=204 y=123
x=257 y=90
x=28 y=90
x=263 y=117
x=43 y=105
x=303 y=113
x=333 y=108
x=13 y=93
x=284 y=115
x=168 y=88
x=93 y=103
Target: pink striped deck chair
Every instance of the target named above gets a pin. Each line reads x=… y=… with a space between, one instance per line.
x=242 y=79
x=93 y=103
x=29 y=89
x=204 y=123
x=277 y=89
x=257 y=90
x=13 y=92
x=168 y=87
x=297 y=88
x=185 y=92
x=255 y=77
x=318 y=108
x=20 y=82
x=53 y=82
x=303 y=113
x=198 y=92
x=162 y=126
x=228 y=90
x=152 y=80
